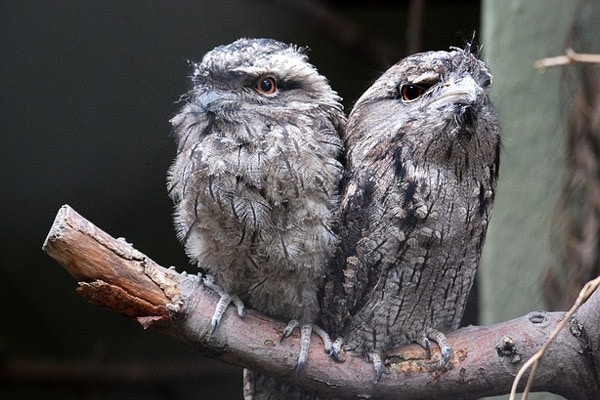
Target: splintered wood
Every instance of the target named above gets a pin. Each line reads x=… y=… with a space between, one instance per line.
x=109 y=271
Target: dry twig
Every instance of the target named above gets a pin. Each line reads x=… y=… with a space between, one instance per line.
x=570 y=57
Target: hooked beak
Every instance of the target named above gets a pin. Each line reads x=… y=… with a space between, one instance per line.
x=216 y=100
x=463 y=91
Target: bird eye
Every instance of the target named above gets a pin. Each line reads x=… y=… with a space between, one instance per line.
x=266 y=85
x=412 y=92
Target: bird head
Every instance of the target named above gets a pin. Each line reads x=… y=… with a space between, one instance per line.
x=434 y=103
x=251 y=101
x=261 y=76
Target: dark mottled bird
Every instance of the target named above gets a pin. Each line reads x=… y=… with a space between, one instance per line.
x=423 y=146
x=255 y=179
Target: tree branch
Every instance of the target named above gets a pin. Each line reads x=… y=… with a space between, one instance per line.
x=570 y=57
x=484 y=360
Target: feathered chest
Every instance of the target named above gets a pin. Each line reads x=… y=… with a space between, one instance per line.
x=280 y=162
x=255 y=173
x=431 y=199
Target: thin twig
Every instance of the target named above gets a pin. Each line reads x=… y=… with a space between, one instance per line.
x=533 y=362
x=570 y=57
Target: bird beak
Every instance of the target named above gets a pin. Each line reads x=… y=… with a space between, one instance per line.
x=461 y=91
x=215 y=100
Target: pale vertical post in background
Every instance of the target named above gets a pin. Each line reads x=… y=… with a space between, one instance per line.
x=515 y=33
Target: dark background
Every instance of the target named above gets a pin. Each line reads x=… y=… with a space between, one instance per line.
x=86 y=92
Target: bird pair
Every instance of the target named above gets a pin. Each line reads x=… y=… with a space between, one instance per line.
x=370 y=227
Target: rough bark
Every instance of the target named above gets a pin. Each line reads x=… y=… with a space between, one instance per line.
x=485 y=359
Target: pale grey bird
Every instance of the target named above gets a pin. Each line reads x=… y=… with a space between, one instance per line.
x=256 y=177
x=422 y=146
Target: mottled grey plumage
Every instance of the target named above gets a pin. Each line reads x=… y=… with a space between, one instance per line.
x=423 y=154
x=256 y=176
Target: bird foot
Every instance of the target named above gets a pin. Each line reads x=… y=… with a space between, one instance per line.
x=335 y=349
x=331 y=348
x=375 y=358
x=442 y=342
x=305 y=332
x=224 y=301
x=426 y=344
